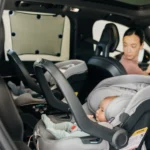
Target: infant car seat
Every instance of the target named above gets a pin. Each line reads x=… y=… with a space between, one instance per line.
x=130 y=111
x=74 y=70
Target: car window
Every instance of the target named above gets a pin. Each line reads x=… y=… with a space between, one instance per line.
x=33 y=35
x=97 y=31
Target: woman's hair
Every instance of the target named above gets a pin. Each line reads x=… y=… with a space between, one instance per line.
x=137 y=32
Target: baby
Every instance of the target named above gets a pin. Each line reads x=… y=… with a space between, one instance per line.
x=68 y=129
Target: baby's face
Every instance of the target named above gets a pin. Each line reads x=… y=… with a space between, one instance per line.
x=100 y=113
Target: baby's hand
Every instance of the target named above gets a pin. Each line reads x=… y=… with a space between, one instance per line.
x=90 y=116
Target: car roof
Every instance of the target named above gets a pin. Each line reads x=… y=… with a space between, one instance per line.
x=135 y=2
x=127 y=12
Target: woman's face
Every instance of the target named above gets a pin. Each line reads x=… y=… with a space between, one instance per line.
x=131 y=46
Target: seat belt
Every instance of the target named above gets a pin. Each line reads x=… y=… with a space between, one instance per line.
x=2 y=40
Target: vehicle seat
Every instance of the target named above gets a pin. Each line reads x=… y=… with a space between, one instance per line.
x=133 y=91
x=7 y=143
x=10 y=119
x=101 y=66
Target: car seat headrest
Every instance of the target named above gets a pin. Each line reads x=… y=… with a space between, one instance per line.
x=116 y=106
x=109 y=39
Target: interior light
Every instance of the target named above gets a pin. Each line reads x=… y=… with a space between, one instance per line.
x=74 y=9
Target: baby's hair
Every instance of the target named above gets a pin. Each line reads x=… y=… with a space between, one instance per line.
x=110 y=98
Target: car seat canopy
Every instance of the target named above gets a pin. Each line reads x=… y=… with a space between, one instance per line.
x=121 y=90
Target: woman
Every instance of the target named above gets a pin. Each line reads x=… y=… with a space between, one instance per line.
x=133 y=42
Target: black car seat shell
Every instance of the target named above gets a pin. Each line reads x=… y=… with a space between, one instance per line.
x=22 y=72
x=101 y=66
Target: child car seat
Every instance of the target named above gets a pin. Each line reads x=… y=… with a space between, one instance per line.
x=134 y=115
x=74 y=70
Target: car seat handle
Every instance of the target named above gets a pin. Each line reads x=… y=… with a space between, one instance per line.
x=47 y=92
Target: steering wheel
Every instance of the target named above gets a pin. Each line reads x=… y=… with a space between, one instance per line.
x=111 y=135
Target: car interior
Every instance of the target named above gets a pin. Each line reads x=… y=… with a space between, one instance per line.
x=61 y=58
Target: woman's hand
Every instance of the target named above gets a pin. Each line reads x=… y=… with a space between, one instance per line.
x=148 y=70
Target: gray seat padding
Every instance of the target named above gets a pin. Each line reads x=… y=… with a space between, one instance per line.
x=68 y=68
x=47 y=142
x=125 y=85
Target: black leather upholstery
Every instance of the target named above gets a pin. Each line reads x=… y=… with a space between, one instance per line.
x=22 y=72
x=21 y=146
x=109 y=40
x=113 y=66
x=9 y=114
x=10 y=117
x=6 y=142
x=2 y=39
